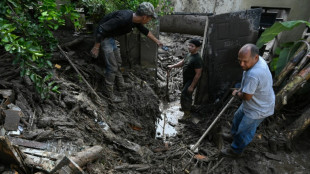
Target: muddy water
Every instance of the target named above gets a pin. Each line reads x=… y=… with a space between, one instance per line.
x=168 y=125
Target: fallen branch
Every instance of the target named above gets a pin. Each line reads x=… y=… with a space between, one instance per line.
x=66 y=56
x=88 y=155
x=298 y=126
x=216 y=165
x=74 y=42
x=138 y=167
x=291 y=87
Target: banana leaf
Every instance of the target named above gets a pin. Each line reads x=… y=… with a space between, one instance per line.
x=277 y=28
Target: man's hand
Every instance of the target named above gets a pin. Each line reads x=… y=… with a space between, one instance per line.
x=235 y=92
x=95 y=50
x=159 y=44
x=190 y=89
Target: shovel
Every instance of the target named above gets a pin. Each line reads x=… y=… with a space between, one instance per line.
x=194 y=147
x=167 y=84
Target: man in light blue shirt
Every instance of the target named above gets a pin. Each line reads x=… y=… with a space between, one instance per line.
x=258 y=99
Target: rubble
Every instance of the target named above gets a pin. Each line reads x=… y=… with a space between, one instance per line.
x=74 y=132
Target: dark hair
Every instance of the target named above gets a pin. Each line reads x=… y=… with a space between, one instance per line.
x=196 y=42
x=254 y=50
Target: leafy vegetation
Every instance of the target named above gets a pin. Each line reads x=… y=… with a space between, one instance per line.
x=277 y=28
x=26 y=28
x=96 y=9
x=284 y=51
x=26 y=32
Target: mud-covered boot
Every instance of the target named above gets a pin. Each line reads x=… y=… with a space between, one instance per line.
x=186 y=117
x=109 y=93
x=122 y=86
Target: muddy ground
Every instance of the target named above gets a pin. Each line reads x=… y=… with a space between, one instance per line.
x=128 y=132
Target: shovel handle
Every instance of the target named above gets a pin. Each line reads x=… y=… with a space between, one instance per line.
x=212 y=124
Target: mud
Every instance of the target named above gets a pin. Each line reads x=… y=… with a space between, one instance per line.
x=130 y=131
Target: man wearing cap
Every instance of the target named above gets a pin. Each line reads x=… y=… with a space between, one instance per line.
x=192 y=68
x=116 y=24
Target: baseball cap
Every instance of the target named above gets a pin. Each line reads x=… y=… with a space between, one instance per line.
x=146 y=8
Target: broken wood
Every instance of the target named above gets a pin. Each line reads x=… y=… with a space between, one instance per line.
x=301 y=64
x=28 y=143
x=8 y=97
x=11 y=156
x=88 y=155
x=137 y=167
x=298 y=126
x=66 y=56
x=74 y=42
x=291 y=87
x=143 y=152
x=295 y=59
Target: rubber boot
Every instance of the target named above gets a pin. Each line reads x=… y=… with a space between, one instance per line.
x=110 y=94
x=186 y=117
x=121 y=85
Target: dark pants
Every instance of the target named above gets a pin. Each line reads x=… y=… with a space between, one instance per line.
x=113 y=62
x=186 y=97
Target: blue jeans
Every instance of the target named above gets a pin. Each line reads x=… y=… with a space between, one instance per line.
x=243 y=130
x=112 y=61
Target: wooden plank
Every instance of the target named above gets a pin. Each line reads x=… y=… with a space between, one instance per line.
x=41 y=153
x=27 y=143
x=11 y=157
x=40 y=163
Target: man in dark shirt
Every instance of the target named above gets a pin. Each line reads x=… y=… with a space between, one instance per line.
x=192 y=68
x=116 y=24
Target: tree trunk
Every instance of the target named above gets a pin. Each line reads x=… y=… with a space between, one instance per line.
x=292 y=86
x=298 y=126
x=88 y=155
x=295 y=59
x=290 y=66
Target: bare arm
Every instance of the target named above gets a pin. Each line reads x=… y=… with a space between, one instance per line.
x=177 y=65
x=195 y=80
x=153 y=38
x=242 y=95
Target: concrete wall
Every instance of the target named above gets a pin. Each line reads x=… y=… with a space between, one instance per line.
x=299 y=10
x=137 y=49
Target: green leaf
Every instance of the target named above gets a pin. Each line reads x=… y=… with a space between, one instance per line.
x=5 y=39
x=277 y=28
x=49 y=63
x=33 y=77
x=50 y=84
x=8 y=47
x=273 y=64
x=282 y=61
x=47 y=77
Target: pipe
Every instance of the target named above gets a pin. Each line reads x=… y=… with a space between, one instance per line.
x=185 y=24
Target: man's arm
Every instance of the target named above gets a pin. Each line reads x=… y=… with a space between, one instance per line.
x=153 y=38
x=242 y=95
x=195 y=80
x=102 y=29
x=179 y=64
